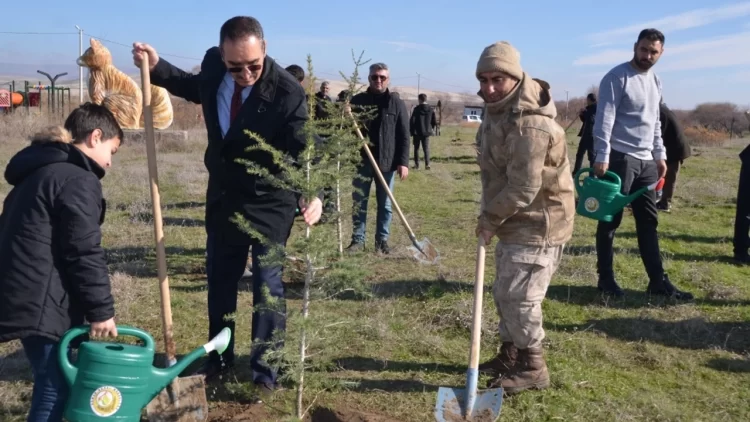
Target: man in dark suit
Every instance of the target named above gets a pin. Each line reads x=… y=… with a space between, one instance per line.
x=741 y=239
x=678 y=150
x=422 y=125
x=586 y=144
x=240 y=88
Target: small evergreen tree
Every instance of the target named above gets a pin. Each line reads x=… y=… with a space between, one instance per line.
x=331 y=155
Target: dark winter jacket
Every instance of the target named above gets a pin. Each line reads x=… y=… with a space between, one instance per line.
x=388 y=131
x=320 y=107
x=675 y=143
x=276 y=110
x=53 y=270
x=588 y=117
x=422 y=121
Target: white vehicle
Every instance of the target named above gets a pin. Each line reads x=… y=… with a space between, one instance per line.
x=473 y=118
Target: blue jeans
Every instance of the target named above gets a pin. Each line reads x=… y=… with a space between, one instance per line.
x=360 y=198
x=50 y=389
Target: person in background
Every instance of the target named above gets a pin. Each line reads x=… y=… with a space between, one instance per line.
x=527 y=203
x=388 y=133
x=322 y=98
x=741 y=240
x=422 y=124
x=321 y=113
x=297 y=72
x=678 y=149
x=627 y=142
x=53 y=270
x=586 y=144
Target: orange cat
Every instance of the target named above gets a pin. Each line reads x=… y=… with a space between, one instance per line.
x=118 y=92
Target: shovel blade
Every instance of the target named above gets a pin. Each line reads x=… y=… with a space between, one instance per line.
x=450 y=405
x=424 y=252
x=183 y=400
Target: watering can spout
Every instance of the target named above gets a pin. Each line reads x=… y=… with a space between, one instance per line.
x=163 y=376
x=621 y=201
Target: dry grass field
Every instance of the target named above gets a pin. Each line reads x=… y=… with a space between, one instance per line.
x=385 y=353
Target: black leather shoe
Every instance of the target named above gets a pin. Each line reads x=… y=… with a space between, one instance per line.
x=666 y=288
x=265 y=391
x=608 y=286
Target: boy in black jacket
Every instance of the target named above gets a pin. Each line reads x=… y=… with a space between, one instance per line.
x=53 y=271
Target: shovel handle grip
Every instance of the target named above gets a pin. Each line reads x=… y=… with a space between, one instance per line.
x=476 y=328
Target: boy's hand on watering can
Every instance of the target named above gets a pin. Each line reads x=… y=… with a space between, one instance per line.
x=661 y=168
x=103 y=329
x=600 y=169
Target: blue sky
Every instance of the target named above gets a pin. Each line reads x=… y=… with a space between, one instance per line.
x=569 y=44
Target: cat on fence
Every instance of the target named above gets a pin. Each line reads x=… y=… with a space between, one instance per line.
x=112 y=88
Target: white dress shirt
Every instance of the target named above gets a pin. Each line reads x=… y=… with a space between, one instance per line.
x=224 y=101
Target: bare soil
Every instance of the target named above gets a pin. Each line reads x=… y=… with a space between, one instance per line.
x=235 y=412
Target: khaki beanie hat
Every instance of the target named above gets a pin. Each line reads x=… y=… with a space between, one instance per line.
x=500 y=57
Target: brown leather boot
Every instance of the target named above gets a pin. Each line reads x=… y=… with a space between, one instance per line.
x=530 y=371
x=501 y=363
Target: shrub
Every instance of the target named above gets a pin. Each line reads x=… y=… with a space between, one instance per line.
x=697 y=135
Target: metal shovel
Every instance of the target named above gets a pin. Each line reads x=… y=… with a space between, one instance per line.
x=421 y=251
x=184 y=399
x=468 y=404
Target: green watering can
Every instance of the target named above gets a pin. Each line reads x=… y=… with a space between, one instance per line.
x=115 y=381
x=599 y=198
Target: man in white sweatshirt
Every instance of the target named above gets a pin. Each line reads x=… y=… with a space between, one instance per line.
x=627 y=141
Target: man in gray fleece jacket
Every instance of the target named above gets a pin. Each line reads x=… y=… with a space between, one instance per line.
x=627 y=141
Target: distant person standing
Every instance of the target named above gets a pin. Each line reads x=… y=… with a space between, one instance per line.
x=422 y=125
x=388 y=133
x=321 y=98
x=678 y=149
x=586 y=144
x=297 y=72
x=627 y=142
x=742 y=213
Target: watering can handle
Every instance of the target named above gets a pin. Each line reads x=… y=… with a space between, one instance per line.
x=69 y=371
x=607 y=175
x=121 y=330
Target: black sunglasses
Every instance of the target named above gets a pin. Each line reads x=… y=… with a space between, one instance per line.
x=250 y=67
x=378 y=77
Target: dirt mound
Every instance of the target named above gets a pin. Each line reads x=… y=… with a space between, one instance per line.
x=236 y=412
x=323 y=414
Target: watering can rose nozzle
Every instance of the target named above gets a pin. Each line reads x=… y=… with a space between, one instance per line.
x=220 y=342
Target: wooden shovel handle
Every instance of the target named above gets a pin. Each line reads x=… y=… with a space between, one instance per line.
x=161 y=255
x=476 y=328
x=382 y=179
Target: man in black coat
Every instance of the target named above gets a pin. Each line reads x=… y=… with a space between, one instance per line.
x=422 y=125
x=241 y=88
x=742 y=213
x=586 y=144
x=388 y=133
x=678 y=149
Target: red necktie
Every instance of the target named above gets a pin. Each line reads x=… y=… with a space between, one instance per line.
x=236 y=102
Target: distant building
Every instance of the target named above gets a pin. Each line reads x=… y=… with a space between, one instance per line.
x=474 y=110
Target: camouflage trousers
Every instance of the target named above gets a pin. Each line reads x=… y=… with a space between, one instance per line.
x=523 y=274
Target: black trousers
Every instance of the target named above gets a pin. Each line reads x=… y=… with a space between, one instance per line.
x=425 y=142
x=634 y=174
x=583 y=148
x=225 y=265
x=742 y=213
